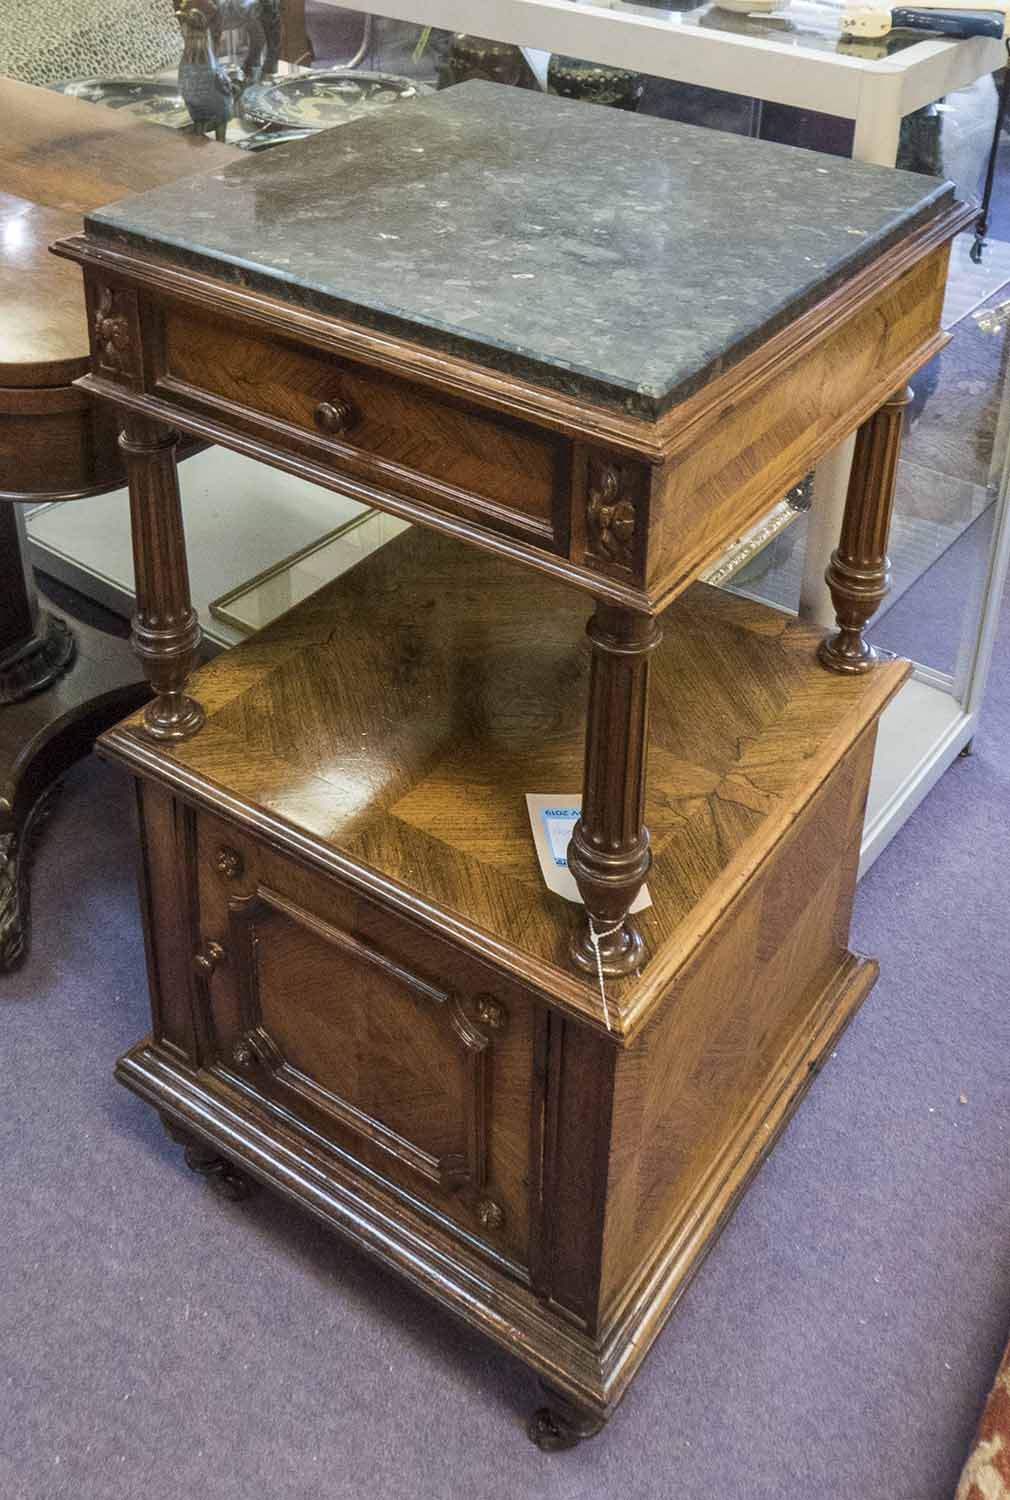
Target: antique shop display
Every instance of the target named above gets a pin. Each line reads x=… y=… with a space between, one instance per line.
x=261 y=23
x=152 y=99
x=326 y=97
x=61 y=682
x=362 y=992
x=204 y=82
x=575 y=78
x=479 y=57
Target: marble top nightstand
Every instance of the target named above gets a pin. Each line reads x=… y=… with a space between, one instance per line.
x=596 y=343
x=590 y=348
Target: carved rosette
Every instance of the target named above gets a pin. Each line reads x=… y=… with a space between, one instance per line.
x=113 y=344
x=611 y=516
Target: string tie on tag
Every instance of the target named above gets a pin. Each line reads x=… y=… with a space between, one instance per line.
x=595 y=938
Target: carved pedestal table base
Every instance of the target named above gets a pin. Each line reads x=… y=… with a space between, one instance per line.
x=41 y=737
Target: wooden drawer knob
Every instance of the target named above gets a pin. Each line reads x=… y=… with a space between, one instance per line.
x=334 y=416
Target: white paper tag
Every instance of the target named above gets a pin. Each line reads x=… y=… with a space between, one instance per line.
x=552 y=818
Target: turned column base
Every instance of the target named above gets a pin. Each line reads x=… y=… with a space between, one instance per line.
x=168 y=720
x=621 y=953
x=608 y=883
x=847 y=653
x=172 y=714
x=560 y=1424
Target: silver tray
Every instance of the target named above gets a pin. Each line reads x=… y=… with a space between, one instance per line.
x=159 y=102
x=317 y=100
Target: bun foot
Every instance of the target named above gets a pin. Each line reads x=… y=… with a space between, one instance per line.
x=227 y=1180
x=561 y=1425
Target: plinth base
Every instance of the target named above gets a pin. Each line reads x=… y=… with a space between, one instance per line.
x=41 y=737
x=46 y=658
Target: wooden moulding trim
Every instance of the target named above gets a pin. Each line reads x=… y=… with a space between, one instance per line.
x=319 y=473
x=42 y=400
x=559 y=988
x=797 y=338
x=457 y=1277
x=602 y=425
x=595 y=1374
x=450 y=1170
x=443 y=372
x=43 y=497
x=688 y=568
x=634 y=1321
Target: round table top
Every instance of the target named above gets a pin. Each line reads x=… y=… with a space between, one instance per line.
x=68 y=157
x=45 y=332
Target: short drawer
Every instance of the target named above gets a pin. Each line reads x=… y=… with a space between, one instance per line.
x=374 y=1035
x=402 y=436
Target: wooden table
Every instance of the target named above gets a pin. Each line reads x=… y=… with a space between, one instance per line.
x=540 y=364
x=60 y=683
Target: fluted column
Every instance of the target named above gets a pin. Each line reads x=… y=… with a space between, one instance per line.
x=609 y=853
x=858 y=574
x=166 y=632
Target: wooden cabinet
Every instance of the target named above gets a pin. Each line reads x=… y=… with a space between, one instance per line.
x=361 y=988
x=541 y=1113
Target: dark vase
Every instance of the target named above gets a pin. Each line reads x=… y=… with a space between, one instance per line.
x=573 y=78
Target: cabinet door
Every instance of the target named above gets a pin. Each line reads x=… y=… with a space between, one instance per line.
x=370 y=1034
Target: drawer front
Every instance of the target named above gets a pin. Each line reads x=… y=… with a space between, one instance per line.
x=383 y=1041
x=457 y=457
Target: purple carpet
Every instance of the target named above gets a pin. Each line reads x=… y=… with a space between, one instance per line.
x=839 y=1342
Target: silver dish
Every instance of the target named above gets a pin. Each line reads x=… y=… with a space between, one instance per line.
x=159 y=102
x=317 y=100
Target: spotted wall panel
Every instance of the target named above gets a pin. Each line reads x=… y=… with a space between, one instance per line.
x=51 y=40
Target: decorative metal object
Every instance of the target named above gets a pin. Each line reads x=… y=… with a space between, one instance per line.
x=229 y=862
x=574 y=78
x=157 y=102
x=260 y=20
x=207 y=958
x=480 y=57
x=203 y=82
x=321 y=99
x=490 y=1215
x=491 y=1013
x=610 y=517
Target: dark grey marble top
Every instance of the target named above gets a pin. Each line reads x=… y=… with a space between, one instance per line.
x=613 y=256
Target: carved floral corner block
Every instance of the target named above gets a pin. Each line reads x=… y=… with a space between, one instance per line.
x=113 y=341
x=612 y=518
